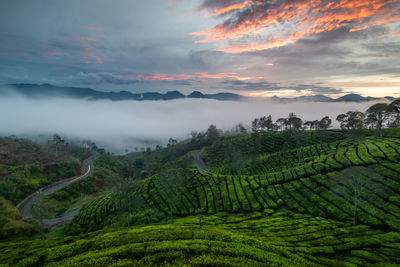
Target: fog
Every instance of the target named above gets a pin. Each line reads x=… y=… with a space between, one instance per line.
x=117 y=126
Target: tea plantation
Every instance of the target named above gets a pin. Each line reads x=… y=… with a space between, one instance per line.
x=330 y=202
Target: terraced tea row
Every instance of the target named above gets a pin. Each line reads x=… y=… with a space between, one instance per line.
x=284 y=239
x=306 y=188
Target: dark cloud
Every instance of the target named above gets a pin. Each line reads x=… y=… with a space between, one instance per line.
x=266 y=86
x=101 y=78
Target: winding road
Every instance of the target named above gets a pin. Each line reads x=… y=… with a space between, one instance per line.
x=25 y=206
x=199 y=161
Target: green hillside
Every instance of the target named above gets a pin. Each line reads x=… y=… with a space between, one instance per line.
x=289 y=200
x=281 y=181
x=26 y=166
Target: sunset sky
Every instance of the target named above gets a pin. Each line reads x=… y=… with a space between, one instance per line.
x=251 y=47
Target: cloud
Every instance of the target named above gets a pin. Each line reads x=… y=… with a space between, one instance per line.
x=127 y=124
x=390 y=34
x=93 y=28
x=121 y=79
x=55 y=53
x=262 y=25
x=193 y=76
x=267 y=86
x=92 y=78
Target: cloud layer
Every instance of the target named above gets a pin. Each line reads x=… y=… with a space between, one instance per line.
x=130 y=124
x=260 y=25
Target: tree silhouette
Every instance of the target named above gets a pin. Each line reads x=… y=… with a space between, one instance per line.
x=354 y=183
x=39 y=213
x=395 y=110
x=171 y=180
x=352 y=122
x=57 y=140
x=128 y=195
x=377 y=115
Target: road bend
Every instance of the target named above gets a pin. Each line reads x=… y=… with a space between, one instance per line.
x=26 y=205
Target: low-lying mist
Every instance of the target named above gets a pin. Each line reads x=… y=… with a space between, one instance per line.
x=118 y=126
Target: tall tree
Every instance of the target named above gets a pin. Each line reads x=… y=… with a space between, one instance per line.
x=281 y=122
x=239 y=128
x=352 y=121
x=293 y=122
x=269 y=124
x=171 y=180
x=39 y=213
x=395 y=110
x=212 y=133
x=234 y=161
x=254 y=126
x=57 y=140
x=128 y=195
x=377 y=115
x=308 y=124
x=325 y=123
x=354 y=184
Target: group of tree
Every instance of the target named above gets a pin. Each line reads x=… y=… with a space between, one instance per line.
x=377 y=116
x=290 y=123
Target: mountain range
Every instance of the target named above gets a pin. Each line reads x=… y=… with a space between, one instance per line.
x=48 y=90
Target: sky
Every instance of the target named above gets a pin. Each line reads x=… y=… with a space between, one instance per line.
x=251 y=47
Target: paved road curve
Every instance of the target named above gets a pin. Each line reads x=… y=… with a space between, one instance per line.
x=25 y=206
x=199 y=161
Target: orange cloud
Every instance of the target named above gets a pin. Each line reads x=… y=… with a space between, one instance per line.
x=229 y=8
x=261 y=20
x=391 y=34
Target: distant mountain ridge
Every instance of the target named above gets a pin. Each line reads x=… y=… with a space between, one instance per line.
x=48 y=90
x=322 y=98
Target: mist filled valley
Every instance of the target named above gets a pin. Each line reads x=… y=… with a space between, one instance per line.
x=129 y=125
x=200 y=133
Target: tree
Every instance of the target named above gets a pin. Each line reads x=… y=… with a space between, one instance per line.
x=57 y=140
x=354 y=183
x=352 y=121
x=377 y=115
x=212 y=133
x=292 y=122
x=171 y=180
x=239 y=128
x=193 y=136
x=312 y=124
x=300 y=138
x=38 y=212
x=281 y=123
x=234 y=161
x=269 y=124
x=325 y=123
x=308 y=124
x=254 y=126
x=394 y=108
x=128 y=195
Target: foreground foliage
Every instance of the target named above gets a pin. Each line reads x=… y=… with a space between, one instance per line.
x=284 y=239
